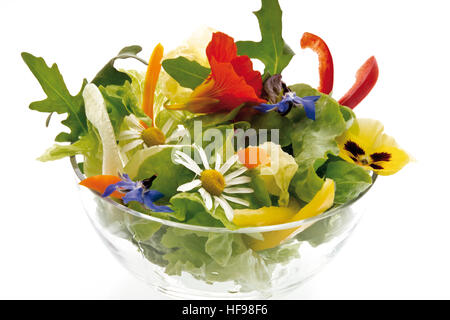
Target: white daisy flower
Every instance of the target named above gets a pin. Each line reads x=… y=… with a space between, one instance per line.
x=215 y=185
x=148 y=137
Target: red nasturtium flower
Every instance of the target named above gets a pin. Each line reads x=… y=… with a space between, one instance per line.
x=231 y=83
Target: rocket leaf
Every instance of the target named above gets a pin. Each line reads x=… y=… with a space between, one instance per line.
x=110 y=75
x=271 y=50
x=59 y=99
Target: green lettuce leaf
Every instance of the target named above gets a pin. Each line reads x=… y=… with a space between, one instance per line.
x=350 y=179
x=192 y=208
x=189 y=74
x=58 y=99
x=312 y=141
x=273 y=120
x=329 y=228
x=58 y=151
x=215 y=257
x=271 y=50
x=158 y=161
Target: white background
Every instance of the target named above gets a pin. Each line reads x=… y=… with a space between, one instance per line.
x=401 y=247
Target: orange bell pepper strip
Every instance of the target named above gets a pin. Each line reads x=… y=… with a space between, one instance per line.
x=366 y=78
x=326 y=68
x=101 y=182
x=151 y=78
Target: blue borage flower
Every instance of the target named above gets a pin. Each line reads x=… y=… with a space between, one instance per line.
x=283 y=107
x=138 y=191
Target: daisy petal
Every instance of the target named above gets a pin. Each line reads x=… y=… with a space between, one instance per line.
x=229 y=212
x=134 y=123
x=235 y=174
x=202 y=154
x=218 y=161
x=132 y=145
x=166 y=127
x=178 y=133
x=207 y=199
x=129 y=134
x=232 y=160
x=238 y=190
x=238 y=180
x=236 y=200
x=189 y=186
x=192 y=165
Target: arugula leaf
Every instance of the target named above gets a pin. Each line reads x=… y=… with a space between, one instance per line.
x=59 y=99
x=110 y=75
x=312 y=141
x=189 y=74
x=271 y=50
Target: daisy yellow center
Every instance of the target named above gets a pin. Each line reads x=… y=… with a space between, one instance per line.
x=153 y=137
x=213 y=181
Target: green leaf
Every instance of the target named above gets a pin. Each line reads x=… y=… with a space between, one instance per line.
x=312 y=141
x=273 y=121
x=110 y=75
x=271 y=50
x=350 y=180
x=329 y=228
x=57 y=151
x=59 y=99
x=189 y=74
x=158 y=160
x=216 y=257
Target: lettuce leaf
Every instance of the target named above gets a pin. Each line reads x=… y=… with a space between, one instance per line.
x=58 y=151
x=312 y=141
x=215 y=257
x=329 y=228
x=350 y=179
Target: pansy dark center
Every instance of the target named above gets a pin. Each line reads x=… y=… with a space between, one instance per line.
x=153 y=136
x=213 y=181
x=359 y=156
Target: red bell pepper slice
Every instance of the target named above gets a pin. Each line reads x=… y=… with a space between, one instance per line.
x=366 y=77
x=326 y=70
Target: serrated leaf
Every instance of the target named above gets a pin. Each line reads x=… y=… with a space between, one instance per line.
x=271 y=50
x=59 y=99
x=189 y=74
x=110 y=75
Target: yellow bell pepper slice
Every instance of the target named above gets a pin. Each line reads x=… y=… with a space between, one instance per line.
x=321 y=202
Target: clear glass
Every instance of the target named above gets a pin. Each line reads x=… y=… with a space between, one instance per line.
x=188 y=261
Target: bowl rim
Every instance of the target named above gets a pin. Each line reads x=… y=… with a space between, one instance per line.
x=295 y=224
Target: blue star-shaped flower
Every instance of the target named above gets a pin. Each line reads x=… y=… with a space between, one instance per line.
x=308 y=103
x=137 y=191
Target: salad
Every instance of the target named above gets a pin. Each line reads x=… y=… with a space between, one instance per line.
x=198 y=136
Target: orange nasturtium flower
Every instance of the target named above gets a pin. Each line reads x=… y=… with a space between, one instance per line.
x=232 y=81
x=366 y=145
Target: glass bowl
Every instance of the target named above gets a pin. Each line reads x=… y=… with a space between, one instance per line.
x=196 y=262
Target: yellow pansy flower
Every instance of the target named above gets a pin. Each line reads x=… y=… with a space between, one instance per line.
x=366 y=145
